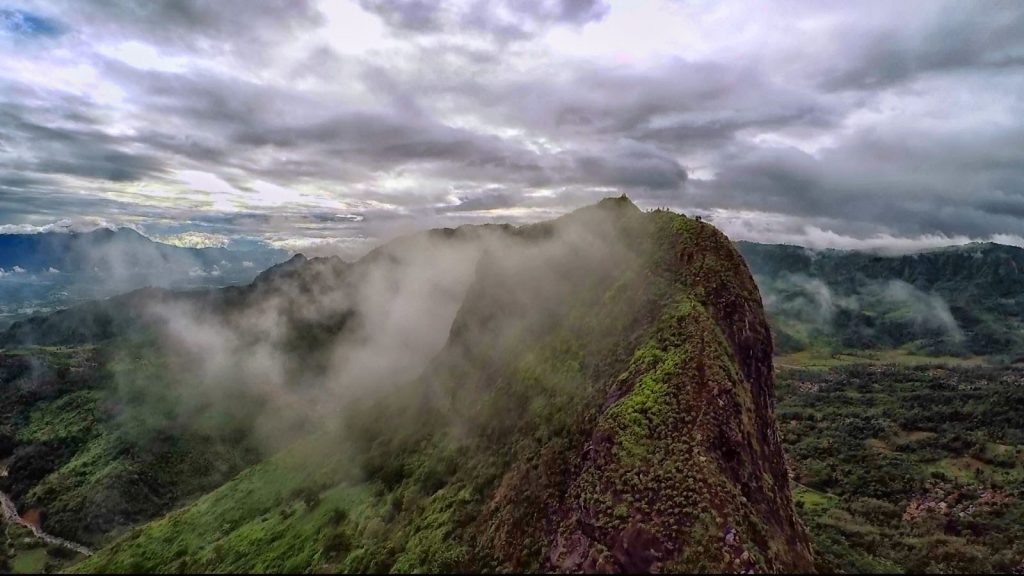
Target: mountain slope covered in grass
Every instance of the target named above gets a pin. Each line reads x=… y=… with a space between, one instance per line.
x=603 y=401
x=957 y=301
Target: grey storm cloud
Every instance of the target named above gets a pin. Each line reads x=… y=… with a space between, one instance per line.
x=236 y=26
x=67 y=141
x=676 y=104
x=949 y=37
x=633 y=164
x=483 y=200
x=327 y=136
x=503 y=20
x=322 y=118
x=909 y=179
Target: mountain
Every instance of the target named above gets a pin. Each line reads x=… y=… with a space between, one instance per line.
x=957 y=301
x=47 y=271
x=107 y=251
x=593 y=393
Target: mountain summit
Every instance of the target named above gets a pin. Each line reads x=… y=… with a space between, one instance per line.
x=602 y=400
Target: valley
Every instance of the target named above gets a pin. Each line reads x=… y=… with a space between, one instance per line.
x=899 y=458
x=874 y=447
x=907 y=467
x=511 y=286
x=49 y=271
x=11 y=517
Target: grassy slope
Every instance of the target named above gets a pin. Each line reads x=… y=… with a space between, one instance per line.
x=22 y=553
x=823 y=358
x=632 y=384
x=848 y=300
x=91 y=458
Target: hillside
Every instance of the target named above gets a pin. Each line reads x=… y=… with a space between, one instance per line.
x=603 y=401
x=957 y=301
x=526 y=419
x=52 y=270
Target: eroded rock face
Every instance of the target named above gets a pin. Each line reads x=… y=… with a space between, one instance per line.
x=680 y=467
x=603 y=403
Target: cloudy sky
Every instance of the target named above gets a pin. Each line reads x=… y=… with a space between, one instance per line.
x=328 y=125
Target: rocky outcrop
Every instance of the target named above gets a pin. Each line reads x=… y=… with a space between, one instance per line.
x=681 y=465
x=603 y=403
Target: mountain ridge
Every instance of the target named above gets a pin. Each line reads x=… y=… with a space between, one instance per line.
x=961 y=301
x=560 y=416
x=69 y=251
x=51 y=271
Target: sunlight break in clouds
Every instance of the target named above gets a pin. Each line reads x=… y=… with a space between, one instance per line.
x=884 y=125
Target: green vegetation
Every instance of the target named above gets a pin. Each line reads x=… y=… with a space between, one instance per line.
x=958 y=302
x=31 y=561
x=540 y=443
x=824 y=358
x=91 y=446
x=573 y=389
x=22 y=553
x=908 y=468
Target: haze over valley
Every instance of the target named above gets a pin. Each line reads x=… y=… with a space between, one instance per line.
x=480 y=286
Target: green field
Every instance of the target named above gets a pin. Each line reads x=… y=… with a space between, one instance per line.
x=908 y=467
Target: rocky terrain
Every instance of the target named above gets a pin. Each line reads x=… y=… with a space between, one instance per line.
x=603 y=402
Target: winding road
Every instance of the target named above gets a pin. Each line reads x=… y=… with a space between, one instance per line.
x=10 y=514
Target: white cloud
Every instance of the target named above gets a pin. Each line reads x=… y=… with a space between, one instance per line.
x=265 y=122
x=145 y=57
x=194 y=240
x=1008 y=239
x=25 y=228
x=12 y=271
x=265 y=194
x=782 y=229
x=81 y=224
x=221 y=195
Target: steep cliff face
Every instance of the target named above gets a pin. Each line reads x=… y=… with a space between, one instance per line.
x=604 y=403
x=674 y=462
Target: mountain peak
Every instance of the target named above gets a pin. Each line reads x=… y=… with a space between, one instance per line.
x=610 y=376
x=617 y=203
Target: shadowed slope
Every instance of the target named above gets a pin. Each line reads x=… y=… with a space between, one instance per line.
x=604 y=402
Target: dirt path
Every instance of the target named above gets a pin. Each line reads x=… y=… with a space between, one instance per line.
x=10 y=514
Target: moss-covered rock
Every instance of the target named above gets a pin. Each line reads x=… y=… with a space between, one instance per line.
x=604 y=403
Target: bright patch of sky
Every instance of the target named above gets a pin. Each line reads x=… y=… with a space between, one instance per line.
x=333 y=124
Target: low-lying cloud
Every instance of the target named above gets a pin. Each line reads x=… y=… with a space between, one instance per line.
x=905 y=312
x=297 y=349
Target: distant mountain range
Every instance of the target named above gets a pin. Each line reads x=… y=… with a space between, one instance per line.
x=481 y=399
x=960 y=300
x=498 y=398
x=47 y=271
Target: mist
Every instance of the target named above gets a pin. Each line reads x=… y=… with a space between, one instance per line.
x=868 y=313
x=801 y=296
x=927 y=310
x=52 y=270
x=290 y=354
